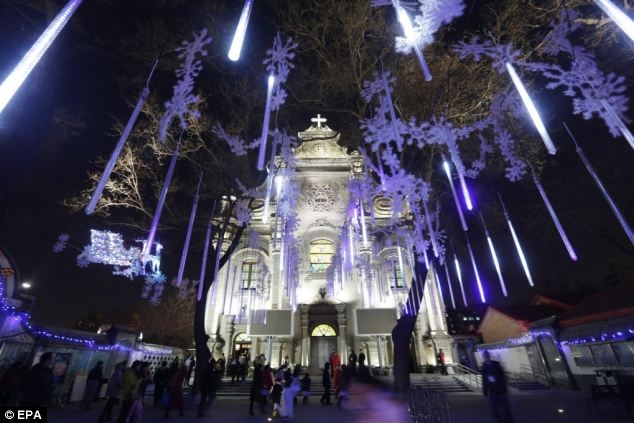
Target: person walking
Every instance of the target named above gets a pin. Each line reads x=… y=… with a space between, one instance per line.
x=361 y=359
x=175 y=386
x=346 y=381
x=113 y=392
x=233 y=370
x=267 y=382
x=291 y=389
x=256 y=389
x=335 y=360
x=190 y=370
x=326 y=382
x=207 y=387
x=276 y=395
x=305 y=388
x=440 y=359
x=161 y=376
x=93 y=384
x=336 y=380
x=494 y=387
x=10 y=384
x=129 y=390
x=352 y=362
x=146 y=379
x=37 y=386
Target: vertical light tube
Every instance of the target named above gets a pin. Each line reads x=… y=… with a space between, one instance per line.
x=16 y=78
x=351 y=244
x=455 y=196
x=618 y=16
x=457 y=264
x=161 y=202
x=388 y=97
x=265 y=124
x=615 y=209
x=410 y=34
x=518 y=246
x=532 y=110
x=453 y=301
x=269 y=187
x=203 y=266
x=241 y=30
x=475 y=271
x=190 y=227
x=494 y=257
x=432 y=234
x=555 y=219
x=233 y=286
x=363 y=228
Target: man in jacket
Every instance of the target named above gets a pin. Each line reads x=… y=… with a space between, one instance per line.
x=37 y=386
x=494 y=387
x=129 y=390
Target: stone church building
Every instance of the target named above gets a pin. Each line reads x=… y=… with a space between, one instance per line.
x=321 y=321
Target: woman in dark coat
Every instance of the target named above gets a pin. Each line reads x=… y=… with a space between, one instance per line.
x=326 y=382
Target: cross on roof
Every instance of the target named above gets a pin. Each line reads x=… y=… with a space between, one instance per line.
x=318 y=120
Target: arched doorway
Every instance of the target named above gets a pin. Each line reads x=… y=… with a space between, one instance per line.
x=242 y=345
x=323 y=339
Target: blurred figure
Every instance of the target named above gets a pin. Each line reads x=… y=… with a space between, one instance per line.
x=361 y=359
x=256 y=389
x=175 y=386
x=129 y=390
x=352 y=362
x=346 y=381
x=326 y=382
x=10 y=384
x=113 y=392
x=233 y=369
x=277 y=397
x=161 y=377
x=93 y=383
x=207 y=387
x=190 y=370
x=335 y=361
x=440 y=359
x=305 y=388
x=336 y=380
x=291 y=388
x=494 y=387
x=37 y=386
x=267 y=382
x=146 y=379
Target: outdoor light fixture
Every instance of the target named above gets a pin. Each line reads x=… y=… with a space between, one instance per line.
x=26 y=285
x=518 y=247
x=457 y=264
x=410 y=34
x=532 y=110
x=22 y=70
x=241 y=30
x=617 y=15
x=265 y=124
x=455 y=196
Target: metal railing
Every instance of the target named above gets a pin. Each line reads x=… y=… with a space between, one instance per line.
x=427 y=406
x=527 y=373
x=470 y=377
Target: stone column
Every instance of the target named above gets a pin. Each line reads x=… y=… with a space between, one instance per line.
x=304 y=352
x=275 y=277
x=342 y=343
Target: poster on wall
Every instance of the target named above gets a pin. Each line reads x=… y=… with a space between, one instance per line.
x=60 y=366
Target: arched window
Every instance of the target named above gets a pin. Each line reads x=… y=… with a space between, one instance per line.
x=250 y=274
x=321 y=252
x=242 y=338
x=394 y=273
x=323 y=330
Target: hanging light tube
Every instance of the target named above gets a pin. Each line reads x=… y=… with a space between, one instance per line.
x=494 y=256
x=619 y=122
x=618 y=16
x=553 y=215
x=410 y=34
x=190 y=227
x=453 y=301
x=532 y=110
x=457 y=264
x=475 y=271
x=615 y=209
x=518 y=246
x=265 y=124
x=16 y=78
x=455 y=196
x=241 y=30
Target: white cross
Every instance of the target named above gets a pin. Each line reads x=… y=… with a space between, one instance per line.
x=318 y=120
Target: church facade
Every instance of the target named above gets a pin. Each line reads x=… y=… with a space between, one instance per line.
x=346 y=320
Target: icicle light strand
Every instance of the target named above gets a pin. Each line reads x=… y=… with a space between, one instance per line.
x=475 y=271
x=459 y=273
x=265 y=124
x=16 y=78
x=532 y=110
x=408 y=30
x=455 y=196
x=190 y=227
x=494 y=256
x=518 y=246
x=241 y=30
x=618 y=16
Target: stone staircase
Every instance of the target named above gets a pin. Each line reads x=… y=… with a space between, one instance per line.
x=441 y=383
x=526 y=385
x=243 y=390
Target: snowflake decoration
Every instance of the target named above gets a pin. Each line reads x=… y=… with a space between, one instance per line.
x=279 y=63
x=243 y=212
x=183 y=98
x=61 y=243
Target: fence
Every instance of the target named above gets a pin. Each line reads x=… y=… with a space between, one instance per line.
x=426 y=406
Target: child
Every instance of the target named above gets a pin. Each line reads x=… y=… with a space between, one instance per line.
x=305 y=388
x=277 y=397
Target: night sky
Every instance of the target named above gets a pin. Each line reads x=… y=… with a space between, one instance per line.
x=61 y=121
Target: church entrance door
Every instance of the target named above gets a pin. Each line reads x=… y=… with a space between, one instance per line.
x=323 y=340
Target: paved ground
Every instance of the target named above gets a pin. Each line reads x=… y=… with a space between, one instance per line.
x=369 y=405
